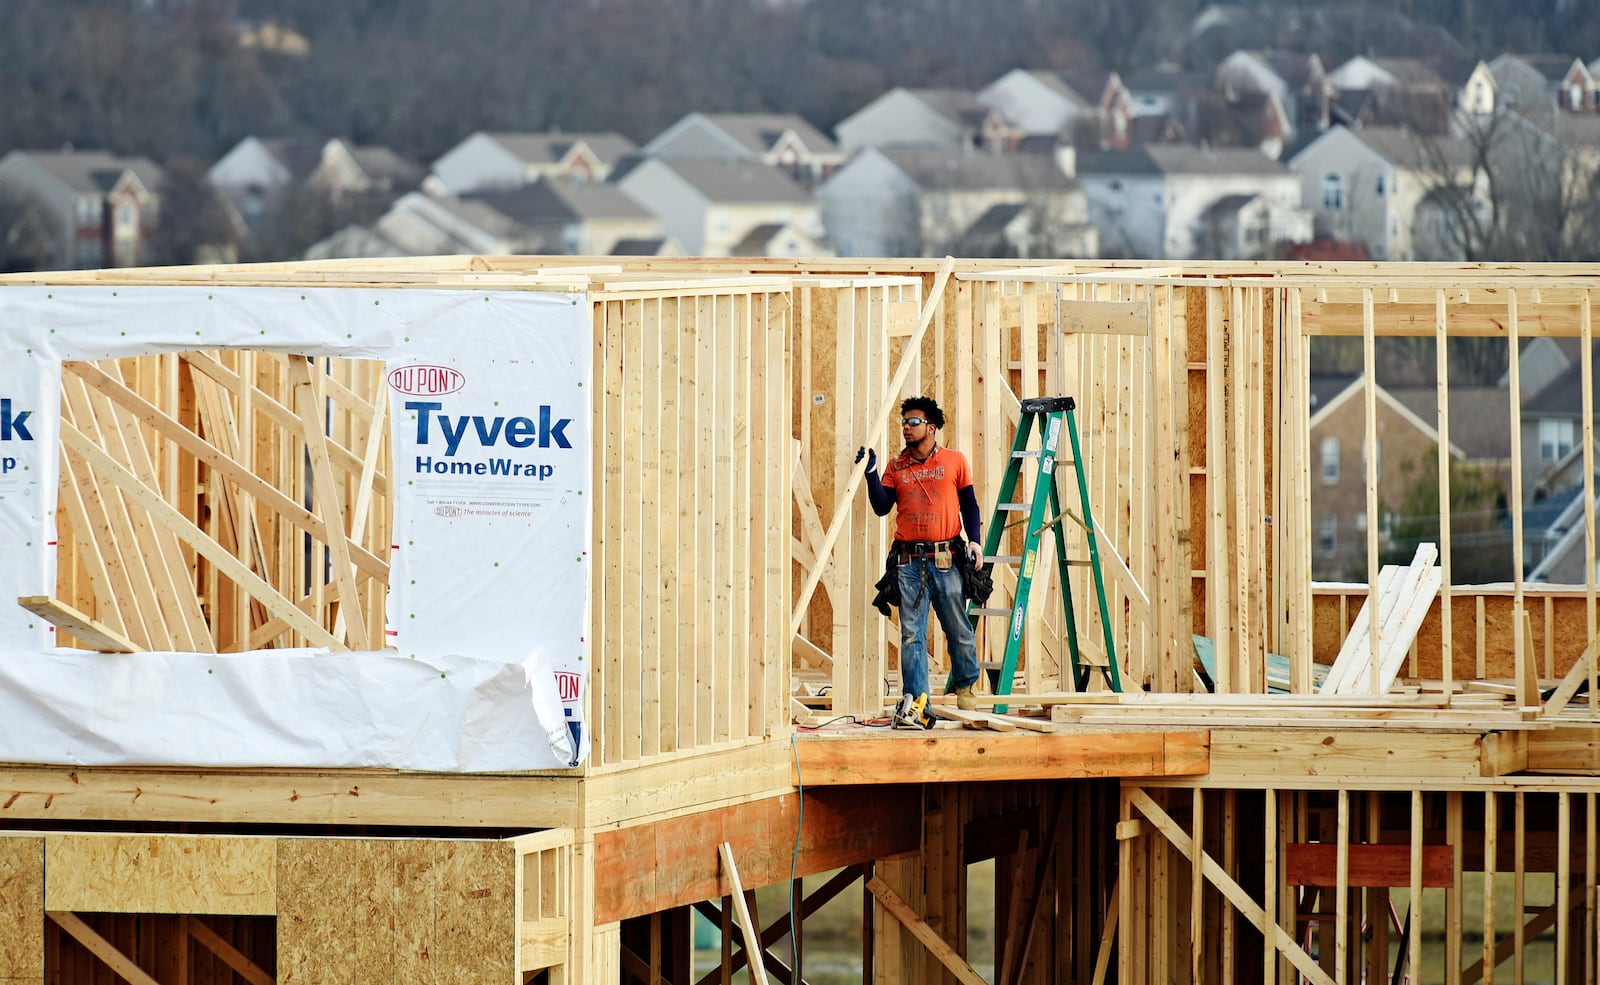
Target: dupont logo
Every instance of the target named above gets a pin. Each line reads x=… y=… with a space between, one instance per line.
x=569 y=685
x=426 y=381
x=447 y=510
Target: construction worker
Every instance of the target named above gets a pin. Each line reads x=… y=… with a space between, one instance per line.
x=931 y=490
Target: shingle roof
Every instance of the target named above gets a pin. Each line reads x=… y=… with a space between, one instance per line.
x=959 y=168
x=732 y=182
x=994 y=221
x=1410 y=71
x=759 y=131
x=1562 y=396
x=549 y=148
x=1180 y=159
x=634 y=247
x=755 y=241
x=300 y=155
x=381 y=162
x=1406 y=149
x=1228 y=204
x=958 y=104
x=1060 y=86
x=559 y=200
x=90 y=171
x=1326 y=386
x=1480 y=417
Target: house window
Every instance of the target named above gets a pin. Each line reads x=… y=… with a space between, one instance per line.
x=1555 y=439
x=1378 y=467
x=1328 y=533
x=1378 y=186
x=1330 y=461
x=1333 y=192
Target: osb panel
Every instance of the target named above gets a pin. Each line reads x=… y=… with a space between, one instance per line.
x=1199 y=512
x=1197 y=418
x=160 y=874
x=21 y=910
x=1192 y=301
x=439 y=912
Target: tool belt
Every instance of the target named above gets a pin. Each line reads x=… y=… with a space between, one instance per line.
x=941 y=552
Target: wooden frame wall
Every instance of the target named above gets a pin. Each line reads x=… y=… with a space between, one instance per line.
x=1331 y=891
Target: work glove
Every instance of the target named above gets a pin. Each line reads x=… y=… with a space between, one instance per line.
x=870 y=455
x=975 y=554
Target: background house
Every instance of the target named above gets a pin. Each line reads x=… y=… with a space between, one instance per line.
x=710 y=206
x=1153 y=201
x=780 y=140
x=508 y=160
x=908 y=201
x=575 y=217
x=1366 y=184
x=1406 y=443
x=905 y=117
x=96 y=209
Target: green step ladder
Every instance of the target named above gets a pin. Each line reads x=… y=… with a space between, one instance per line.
x=1047 y=415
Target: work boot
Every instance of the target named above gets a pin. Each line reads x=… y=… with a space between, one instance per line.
x=965 y=699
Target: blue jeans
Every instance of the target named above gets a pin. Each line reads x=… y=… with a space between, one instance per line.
x=921 y=581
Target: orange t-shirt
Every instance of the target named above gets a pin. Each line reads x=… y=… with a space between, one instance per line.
x=926 y=504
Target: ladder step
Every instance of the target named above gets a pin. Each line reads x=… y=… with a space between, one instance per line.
x=991 y=611
x=1026 y=454
x=1003 y=559
x=1013 y=507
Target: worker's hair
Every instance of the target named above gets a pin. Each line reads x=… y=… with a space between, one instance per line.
x=927 y=406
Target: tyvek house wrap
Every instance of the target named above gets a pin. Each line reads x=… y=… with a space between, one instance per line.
x=490 y=418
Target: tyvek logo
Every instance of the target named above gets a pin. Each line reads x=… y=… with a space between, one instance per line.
x=13 y=424
x=426 y=381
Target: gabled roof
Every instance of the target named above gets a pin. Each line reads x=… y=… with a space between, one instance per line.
x=562 y=200
x=635 y=247
x=1228 y=205
x=760 y=132
x=1574 y=130
x=383 y=164
x=1383 y=395
x=950 y=168
x=1552 y=67
x=89 y=172
x=1480 y=417
x=299 y=155
x=1405 y=149
x=1293 y=67
x=755 y=241
x=1166 y=78
x=735 y=182
x=961 y=105
x=993 y=222
x=1326 y=386
x=1562 y=396
x=551 y=148
x=1410 y=71
x=1061 y=87
x=1173 y=159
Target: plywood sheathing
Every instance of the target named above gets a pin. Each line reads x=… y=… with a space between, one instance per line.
x=161 y=874
x=405 y=910
x=21 y=910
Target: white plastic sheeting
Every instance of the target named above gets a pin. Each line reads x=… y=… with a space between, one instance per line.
x=488 y=602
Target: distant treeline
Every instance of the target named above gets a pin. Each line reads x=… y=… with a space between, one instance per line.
x=168 y=79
